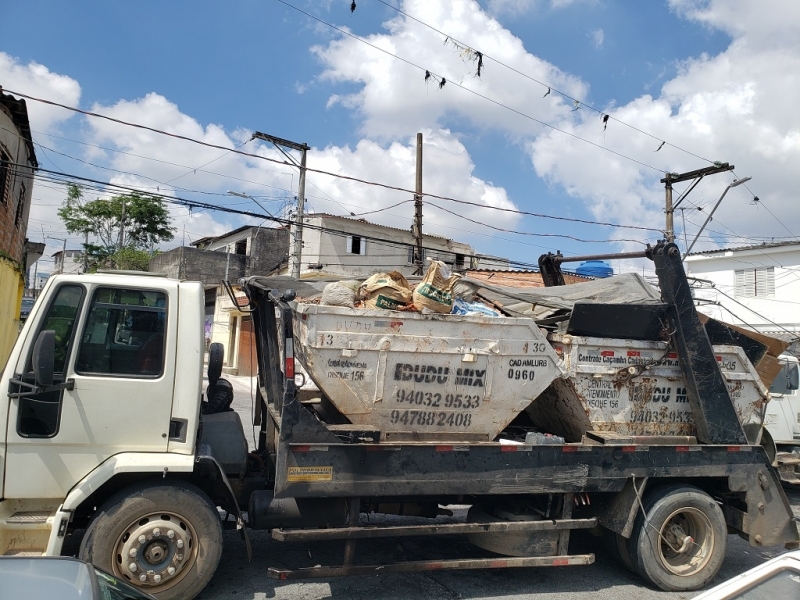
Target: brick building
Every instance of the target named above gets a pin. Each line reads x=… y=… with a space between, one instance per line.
x=17 y=163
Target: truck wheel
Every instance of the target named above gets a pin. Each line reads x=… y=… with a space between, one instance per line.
x=163 y=537
x=681 y=544
x=617 y=547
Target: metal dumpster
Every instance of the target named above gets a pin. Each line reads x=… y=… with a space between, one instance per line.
x=424 y=377
x=635 y=388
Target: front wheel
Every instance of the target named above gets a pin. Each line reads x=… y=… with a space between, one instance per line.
x=164 y=538
x=681 y=543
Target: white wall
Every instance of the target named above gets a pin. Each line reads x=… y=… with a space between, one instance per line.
x=331 y=249
x=772 y=313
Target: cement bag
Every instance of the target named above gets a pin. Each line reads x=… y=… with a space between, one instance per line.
x=385 y=290
x=435 y=291
x=336 y=294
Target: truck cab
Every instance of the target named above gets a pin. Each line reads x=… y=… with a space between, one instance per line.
x=125 y=360
x=782 y=418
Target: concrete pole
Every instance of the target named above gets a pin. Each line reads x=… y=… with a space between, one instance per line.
x=668 y=209
x=298 y=220
x=417 y=228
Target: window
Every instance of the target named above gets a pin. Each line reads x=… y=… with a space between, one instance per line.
x=5 y=177
x=39 y=415
x=61 y=317
x=754 y=283
x=356 y=245
x=124 y=334
x=410 y=256
x=241 y=247
x=20 y=206
x=459 y=263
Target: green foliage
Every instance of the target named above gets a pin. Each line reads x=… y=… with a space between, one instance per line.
x=126 y=227
x=131 y=259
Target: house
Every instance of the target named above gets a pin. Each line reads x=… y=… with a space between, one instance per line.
x=755 y=286
x=68 y=261
x=354 y=247
x=17 y=164
x=243 y=252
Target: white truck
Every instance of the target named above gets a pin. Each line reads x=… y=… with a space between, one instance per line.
x=782 y=419
x=104 y=435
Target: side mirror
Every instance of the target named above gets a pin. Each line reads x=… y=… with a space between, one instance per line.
x=44 y=358
x=793 y=378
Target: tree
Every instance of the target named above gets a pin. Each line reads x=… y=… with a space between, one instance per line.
x=134 y=222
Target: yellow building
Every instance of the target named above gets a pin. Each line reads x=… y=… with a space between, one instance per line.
x=17 y=164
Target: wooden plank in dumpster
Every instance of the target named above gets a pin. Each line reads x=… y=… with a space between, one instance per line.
x=425 y=377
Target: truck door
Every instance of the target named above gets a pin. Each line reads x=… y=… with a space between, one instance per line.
x=121 y=401
x=782 y=418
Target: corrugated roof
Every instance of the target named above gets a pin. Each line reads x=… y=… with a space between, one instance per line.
x=742 y=248
x=19 y=114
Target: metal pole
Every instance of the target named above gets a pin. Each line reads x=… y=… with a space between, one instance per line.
x=298 y=220
x=417 y=229
x=670 y=233
x=711 y=214
x=85 y=257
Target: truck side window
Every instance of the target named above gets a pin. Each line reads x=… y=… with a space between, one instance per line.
x=39 y=415
x=124 y=334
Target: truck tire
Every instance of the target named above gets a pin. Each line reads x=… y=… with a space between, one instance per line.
x=617 y=547
x=681 y=544
x=163 y=537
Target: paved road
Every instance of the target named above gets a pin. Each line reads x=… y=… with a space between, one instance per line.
x=605 y=580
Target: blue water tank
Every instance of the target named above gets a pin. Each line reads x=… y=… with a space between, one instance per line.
x=595 y=268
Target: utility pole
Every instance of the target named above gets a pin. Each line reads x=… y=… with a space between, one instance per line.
x=416 y=228
x=678 y=177
x=301 y=193
x=122 y=225
x=85 y=253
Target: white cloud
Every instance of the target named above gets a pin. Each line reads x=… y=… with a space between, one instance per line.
x=394 y=99
x=37 y=80
x=597 y=36
x=738 y=107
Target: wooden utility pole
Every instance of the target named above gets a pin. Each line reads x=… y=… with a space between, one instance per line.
x=301 y=193
x=416 y=228
x=671 y=178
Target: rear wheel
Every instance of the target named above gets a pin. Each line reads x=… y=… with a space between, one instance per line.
x=164 y=538
x=681 y=543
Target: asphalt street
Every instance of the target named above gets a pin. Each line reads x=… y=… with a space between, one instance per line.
x=604 y=580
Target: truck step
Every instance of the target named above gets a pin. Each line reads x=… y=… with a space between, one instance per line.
x=29 y=517
x=432 y=565
x=24 y=553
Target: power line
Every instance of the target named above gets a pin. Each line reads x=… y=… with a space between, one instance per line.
x=606 y=116
x=331 y=174
x=428 y=73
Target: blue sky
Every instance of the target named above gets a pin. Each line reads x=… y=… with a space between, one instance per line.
x=714 y=79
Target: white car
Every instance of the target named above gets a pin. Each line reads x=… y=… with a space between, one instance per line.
x=776 y=579
x=61 y=578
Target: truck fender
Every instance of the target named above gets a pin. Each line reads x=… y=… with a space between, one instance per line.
x=620 y=512
x=126 y=462
x=204 y=456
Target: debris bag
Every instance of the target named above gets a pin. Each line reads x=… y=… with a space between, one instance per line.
x=337 y=294
x=435 y=291
x=465 y=291
x=461 y=307
x=385 y=290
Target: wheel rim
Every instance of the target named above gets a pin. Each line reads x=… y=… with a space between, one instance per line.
x=155 y=551
x=686 y=542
